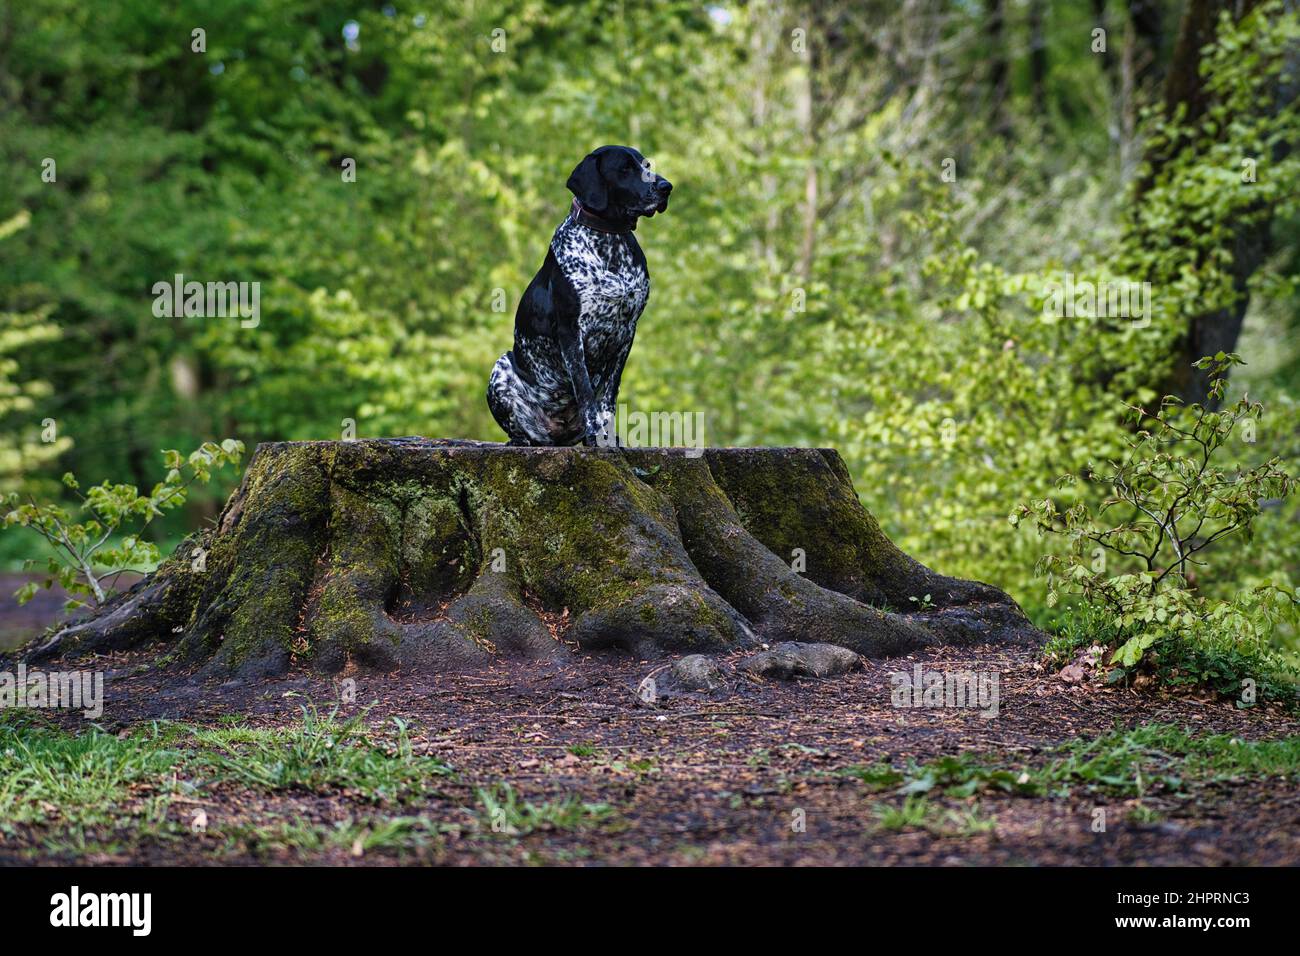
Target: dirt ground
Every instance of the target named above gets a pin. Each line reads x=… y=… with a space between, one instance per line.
x=751 y=777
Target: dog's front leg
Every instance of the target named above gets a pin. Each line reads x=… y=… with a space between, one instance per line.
x=609 y=402
x=575 y=364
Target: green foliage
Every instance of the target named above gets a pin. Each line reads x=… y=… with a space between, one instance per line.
x=1083 y=626
x=917 y=812
x=322 y=754
x=1226 y=170
x=1132 y=762
x=85 y=553
x=963 y=775
x=1135 y=557
x=1219 y=659
x=356 y=835
x=504 y=811
x=50 y=777
x=21 y=329
x=913 y=812
x=877 y=776
x=1126 y=762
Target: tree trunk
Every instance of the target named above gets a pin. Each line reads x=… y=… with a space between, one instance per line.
x=1038 y=66
x=1148 y=22
x=1184 y=85
x=806 y=109
x=419 y=553
x=999 y=75
x=1217 y=329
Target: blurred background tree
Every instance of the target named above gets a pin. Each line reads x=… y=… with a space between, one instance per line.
x=874 y=201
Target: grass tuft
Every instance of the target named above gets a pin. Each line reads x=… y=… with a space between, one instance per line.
x=504 y=811
x=320 y=754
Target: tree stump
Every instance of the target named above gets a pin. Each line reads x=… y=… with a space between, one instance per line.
x=423 y=553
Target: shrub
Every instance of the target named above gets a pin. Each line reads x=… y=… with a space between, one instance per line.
x=1163 y=508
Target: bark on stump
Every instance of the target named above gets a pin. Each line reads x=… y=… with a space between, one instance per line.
x=426 y=553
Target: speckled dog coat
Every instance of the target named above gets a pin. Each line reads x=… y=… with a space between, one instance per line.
x=576 y=321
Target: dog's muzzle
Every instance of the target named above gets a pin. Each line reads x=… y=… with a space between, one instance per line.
x=660 y=201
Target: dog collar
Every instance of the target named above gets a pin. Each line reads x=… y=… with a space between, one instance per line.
x=585 y=217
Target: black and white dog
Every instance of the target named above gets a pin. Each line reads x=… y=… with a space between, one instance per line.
x=575 y=322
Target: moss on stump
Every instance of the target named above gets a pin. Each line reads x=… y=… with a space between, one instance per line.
x=422 y=553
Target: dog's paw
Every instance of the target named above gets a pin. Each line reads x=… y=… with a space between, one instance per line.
x=600 y=431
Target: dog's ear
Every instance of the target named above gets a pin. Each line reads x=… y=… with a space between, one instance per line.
x=588 y=185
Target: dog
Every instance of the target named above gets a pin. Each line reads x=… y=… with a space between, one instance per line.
x=577 y=318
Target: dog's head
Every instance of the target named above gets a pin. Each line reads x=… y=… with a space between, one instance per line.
x=617 y=183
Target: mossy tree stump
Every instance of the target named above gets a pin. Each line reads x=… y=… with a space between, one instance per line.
x=423 y=553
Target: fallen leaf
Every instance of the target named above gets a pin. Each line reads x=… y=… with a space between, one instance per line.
x=1072 y=673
